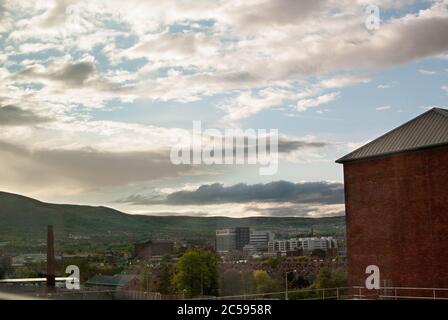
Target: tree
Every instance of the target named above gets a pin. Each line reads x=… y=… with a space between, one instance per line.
x=231 y=283
x=196 y=273
x=247 y=277
x=297 y=281
x=24 y=272
x=264 y=283
x=318 y=253
x=274 y=262
x=166 y=274
x=327 y=278
x=146 y=278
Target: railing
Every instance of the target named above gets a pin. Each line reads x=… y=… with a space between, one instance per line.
x=344 y=293
x=414 y=293
x=340 y=293
x=400 y=293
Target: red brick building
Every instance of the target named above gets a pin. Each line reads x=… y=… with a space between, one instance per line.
x=153 y=249
x=396 y=198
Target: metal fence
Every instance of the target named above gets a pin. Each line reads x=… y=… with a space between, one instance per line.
x=341 y=293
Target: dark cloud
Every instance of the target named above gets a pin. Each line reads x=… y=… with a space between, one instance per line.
x=76 y=73
x=72 y=74
x=286 y=146
x=82 y=168
x=15 y=116
x=278 y=191
x=276 y=12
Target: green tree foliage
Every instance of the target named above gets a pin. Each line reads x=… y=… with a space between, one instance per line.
x=247 y=277
x=264 y=283
x=24 y=272
x=231 y=283
x=297 y=281
x=166 y=274
x=145 y=278
x=327 y=278
x=196 y=273
x=274 y=262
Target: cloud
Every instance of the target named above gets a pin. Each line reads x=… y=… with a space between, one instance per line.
x=444 y=88
x=75 y=74
x=278 y=191
x=58 y=13
x=383 y=108
x=252 y=209
x=302 y=105
x=15 y=116
x=296 y=210
x=343 y=81
x=71 y=74
x=289 y=145
x=81 y=169
x=2 y=9
x=427 y=72
x=209 y=47
x=175 y=46
x=255 y=14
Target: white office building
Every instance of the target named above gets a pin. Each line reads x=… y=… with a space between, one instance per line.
x=225 y=240
x=260 y=239
x=306 y=244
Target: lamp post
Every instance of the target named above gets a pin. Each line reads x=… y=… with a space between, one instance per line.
x=286 y=282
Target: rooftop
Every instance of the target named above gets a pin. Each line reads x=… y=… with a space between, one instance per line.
x=117 y=280
x=429 y=129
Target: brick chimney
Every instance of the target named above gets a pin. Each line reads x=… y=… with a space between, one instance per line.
x=51 y=263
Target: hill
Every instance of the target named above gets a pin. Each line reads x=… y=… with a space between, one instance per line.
x=26 y=218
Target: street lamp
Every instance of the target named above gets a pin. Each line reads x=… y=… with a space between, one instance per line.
x=286 y=282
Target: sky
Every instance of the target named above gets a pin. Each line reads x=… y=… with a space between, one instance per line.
x=93 y=95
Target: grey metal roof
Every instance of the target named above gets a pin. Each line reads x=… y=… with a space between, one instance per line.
x=429 y=129
x=117 y=280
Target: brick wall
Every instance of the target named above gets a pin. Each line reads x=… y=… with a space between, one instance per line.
x=397 y=218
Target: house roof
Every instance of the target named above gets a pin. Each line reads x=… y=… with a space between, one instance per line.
x=429 y=129
x=117 y=280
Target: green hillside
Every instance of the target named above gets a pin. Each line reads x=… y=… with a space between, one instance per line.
x=26 y=218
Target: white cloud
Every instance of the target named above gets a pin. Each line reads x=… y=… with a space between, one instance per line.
x=304 y=104
x=427 y=72
x=383 y=108
x=343 y=81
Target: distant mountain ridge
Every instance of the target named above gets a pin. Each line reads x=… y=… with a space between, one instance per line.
x=23 y=217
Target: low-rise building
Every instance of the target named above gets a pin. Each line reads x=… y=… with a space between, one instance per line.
x=153 y=249
x=260 y=239
x=303 y=245
x=117 y=281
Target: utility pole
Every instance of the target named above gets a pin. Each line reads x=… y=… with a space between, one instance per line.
x=286 y=283
x=51 y=263
x=202 y=283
